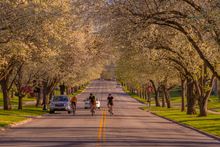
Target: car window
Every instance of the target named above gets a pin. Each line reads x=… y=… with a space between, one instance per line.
x=60 y=98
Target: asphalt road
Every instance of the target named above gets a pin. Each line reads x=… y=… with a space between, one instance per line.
x=129 y=126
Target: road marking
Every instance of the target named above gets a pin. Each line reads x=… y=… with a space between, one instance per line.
x=101 y=131
x=100 y=128
x=104 y=127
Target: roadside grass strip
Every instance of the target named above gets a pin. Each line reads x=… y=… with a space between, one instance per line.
x=213 y=104
x=10 y=117
x=209 y=124
x=134 y=96
x=14 y=100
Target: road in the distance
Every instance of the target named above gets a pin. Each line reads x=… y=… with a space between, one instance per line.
x=130 y=126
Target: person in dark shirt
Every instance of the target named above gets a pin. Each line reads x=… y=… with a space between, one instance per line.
x=110 y=103
x=92 y=99
x=92 y=103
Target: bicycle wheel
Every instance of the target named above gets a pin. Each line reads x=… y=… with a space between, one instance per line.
x=74 y=111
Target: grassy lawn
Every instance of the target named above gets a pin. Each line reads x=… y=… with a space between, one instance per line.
x=13 y=116
x=134 y=96
x=209 y=124
x=14 y=100
x=214 y=104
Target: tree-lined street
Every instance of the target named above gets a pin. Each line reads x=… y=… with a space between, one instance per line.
x=163 y=53
x=130 y=126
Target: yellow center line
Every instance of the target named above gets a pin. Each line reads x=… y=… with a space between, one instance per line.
x=101 y=131
x=100 y=128
x=104 y=127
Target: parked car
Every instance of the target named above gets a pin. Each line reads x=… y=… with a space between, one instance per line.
x=87 y=103
x=60 y=103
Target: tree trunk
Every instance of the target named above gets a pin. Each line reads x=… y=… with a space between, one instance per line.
x=183 y=94
x=45 y=95
x=132 y=90
x=191 y=100
x=218 y=88
x=4 y=86
x=167 y=97
x=12 y=93
x=51 y=95
x=157 y=103
x=145 y=93
x=149 y=100
x=203 y=100
x=157 y=98
x=67 y=91
x=141 y=96
x=62 y=89
x=203 y=107
x=20 y=103
x=163 y=100
x=38 y=101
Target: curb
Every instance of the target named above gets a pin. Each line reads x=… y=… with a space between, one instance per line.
x=181 y=124
x=19 y=123
x=189 y=127
x=15 y=124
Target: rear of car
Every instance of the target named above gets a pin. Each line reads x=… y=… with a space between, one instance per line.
x=59 y=103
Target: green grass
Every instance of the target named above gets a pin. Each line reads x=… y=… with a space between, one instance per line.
x=209 y=124
x=8 y=117
x=14 y=100
x=134 y=96
x=214 y=104
x=13 y=116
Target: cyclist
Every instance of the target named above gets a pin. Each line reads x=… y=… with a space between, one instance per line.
x=110 y=103
x=92 y=100
x=73 y=103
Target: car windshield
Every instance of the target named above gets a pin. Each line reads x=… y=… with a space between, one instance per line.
x=60 y=98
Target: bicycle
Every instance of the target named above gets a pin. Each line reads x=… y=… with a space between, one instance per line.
x=73 y=108
x=92 y=109
x=110 y=107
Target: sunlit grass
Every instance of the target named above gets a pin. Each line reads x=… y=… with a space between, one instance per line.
x=8 y=117
x=214 y=103
x=14 y=100
x=209 y=124
x=133 y=95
